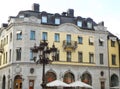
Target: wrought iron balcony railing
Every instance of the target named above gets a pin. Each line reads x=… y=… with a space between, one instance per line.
x=69 y=46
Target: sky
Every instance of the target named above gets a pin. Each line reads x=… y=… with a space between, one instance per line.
x=99 y=10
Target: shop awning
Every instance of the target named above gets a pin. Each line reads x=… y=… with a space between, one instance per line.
x=57 y=83
x=115 y=87
x=80 y=84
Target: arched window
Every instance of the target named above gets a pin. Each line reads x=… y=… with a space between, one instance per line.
x=69 y=78
x=4 y=82
x=17 y=82
x=114 y=80
x=86 y=77
x=50 y=76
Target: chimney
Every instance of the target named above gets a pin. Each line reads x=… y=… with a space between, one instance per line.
x=35 y=7
x=70 y=12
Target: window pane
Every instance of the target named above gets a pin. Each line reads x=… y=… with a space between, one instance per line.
x=112 y=43
x=31 y=55
x=18 y=54
x=113 y=59
x=80 y=57
x=57 y=38
x=68 y=56
x=57 y=21
x=44 y=36
x=79 y=23
x=89 y=24
x=57 y=56
x=101 y=58
x=80 y=40
x=10 y=53
x=68 y=39
x=19 y=36
x=91 y=58
x=32 y=35
x=44 y=19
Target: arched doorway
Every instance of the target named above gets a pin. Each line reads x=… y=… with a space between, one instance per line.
x=114 y=80
x=4 y=82
x=86 y=78
x=68 y=78
x=50 y=76
x=18 y=82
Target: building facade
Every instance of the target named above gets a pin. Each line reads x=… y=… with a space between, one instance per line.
x=87 y=51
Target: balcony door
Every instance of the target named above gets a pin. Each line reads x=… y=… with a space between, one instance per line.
x=68 y=39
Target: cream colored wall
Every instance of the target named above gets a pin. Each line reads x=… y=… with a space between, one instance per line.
x=85 y=48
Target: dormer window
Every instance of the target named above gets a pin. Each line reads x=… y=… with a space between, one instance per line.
x=89 y=25
x=79 y=23
x=21 y=16
x=57 y=21
x=44 y=19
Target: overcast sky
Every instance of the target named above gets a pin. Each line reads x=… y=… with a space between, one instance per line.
x=99 y=10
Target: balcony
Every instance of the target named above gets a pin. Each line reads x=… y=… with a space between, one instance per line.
x=69 y=46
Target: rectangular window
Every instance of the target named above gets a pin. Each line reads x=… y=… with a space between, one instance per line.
x=10 y=37
x=101 y=58
x=7 y=40
x=18 y=54
x=57 y=56
x=101 y=41
x=6 y=57
x=89 y=25
x=0 y=60
x=31 y=55
x=10 y=53
x=80 y=57
x=44 y=36
x=68 y=39
x=32 y=35
x=68 y=56
x=91 y=58
x=57 y=21
x=91 y=41
x=112 y=43
x=57 y=37
x=113 y=59
x=79 y=23
x=80 y=40
x=44 y=19
x=19 y=35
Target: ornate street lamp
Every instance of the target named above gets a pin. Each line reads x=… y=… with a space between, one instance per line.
x=41 y=56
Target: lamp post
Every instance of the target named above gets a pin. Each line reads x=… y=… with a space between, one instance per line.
x=41 y=56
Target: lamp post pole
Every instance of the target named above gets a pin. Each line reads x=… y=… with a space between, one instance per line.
x=41 y=56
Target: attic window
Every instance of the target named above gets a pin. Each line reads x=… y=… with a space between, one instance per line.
x=44 y=19
x=57 y=21
x=79 y=23
x=21 y=16
x=89 y=25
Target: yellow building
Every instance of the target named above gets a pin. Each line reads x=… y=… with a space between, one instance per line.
x=113 y=59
